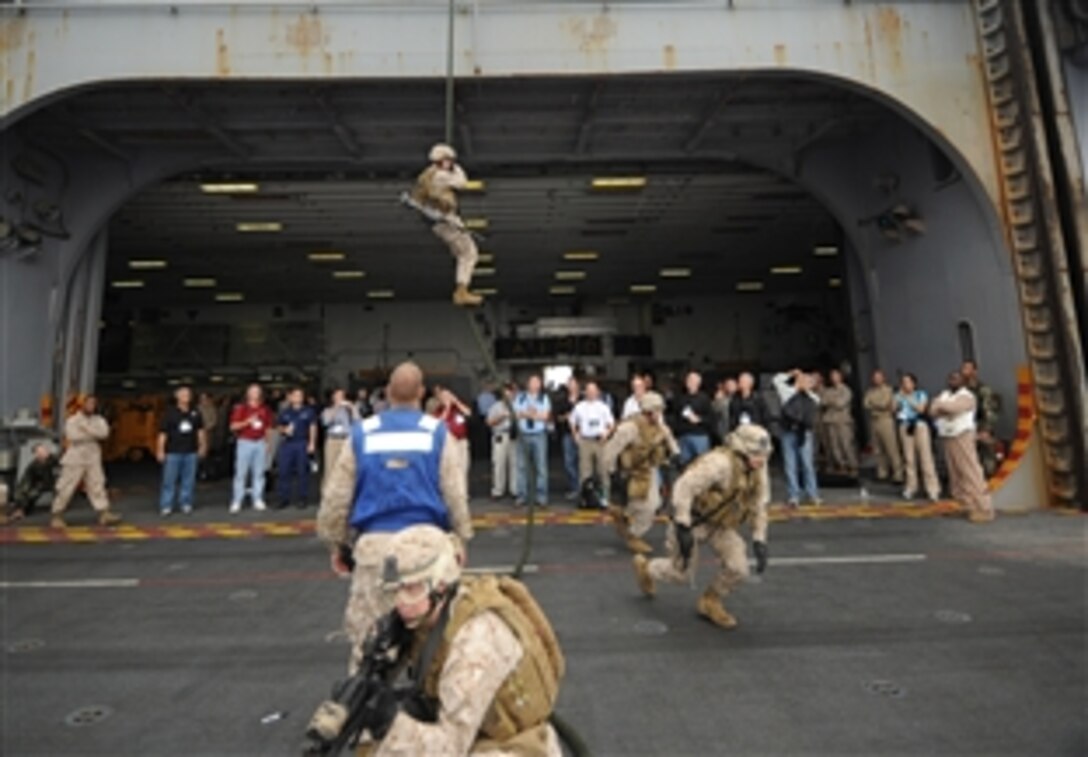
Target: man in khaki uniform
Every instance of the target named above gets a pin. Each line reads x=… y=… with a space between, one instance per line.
x=436 y=189
x=492 y=675
x=880 y=404
x=383 y=481
x=641 y=445
x=84 y=433
x=722 y=490
x=955 y=410
x=838 y=422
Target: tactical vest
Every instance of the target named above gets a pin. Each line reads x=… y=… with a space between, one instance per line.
x=639 y=459
x=732 y=503
x=522 y=706
x=427 y=193
x=397 y=460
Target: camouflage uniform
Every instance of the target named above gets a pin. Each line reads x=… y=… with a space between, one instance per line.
x=366 y=602
x=82 y=462
x=714 y=496
x=39 y=478
x=639 y=447
x=987 y=405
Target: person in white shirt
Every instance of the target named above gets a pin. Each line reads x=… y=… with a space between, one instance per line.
x=631 y=404
x=954 y=411
x=504 y=459
x=591 y=422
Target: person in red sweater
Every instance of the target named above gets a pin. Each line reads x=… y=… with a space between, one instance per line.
x=455 y=414
x=250 y=421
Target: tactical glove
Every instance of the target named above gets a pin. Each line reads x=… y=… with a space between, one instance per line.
x=347 y=556
x=380 y=710
x=685 y=540
x=762 y=553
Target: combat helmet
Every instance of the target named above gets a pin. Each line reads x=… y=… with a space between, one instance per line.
x=442 y=151
x=420 y=555
x=750 y=440
x=651 y=402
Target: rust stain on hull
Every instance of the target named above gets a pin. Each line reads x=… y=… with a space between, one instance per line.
x=12 y=34
x=669 y=57
x=780 y=54
x=305 y=35
x=890 y=31
x=593 y=35
x=222 y=54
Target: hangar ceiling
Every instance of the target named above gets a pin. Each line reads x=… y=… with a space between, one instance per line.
x=329 y=160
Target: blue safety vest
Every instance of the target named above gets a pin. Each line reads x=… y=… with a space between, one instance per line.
x=397 y=455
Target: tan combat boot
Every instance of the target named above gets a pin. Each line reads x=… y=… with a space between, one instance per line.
x=637 y=545
x=619 y=520
x=57 y=521
x=106 y=518
x=979 y=517
x=465 y=298
x=642 y=575
x=710 y=607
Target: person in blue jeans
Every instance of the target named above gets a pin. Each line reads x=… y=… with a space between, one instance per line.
x=181 y=443
x=533 y=410
x=799 y=408
x=298 y=440
x=564 y=406
x=692 y=417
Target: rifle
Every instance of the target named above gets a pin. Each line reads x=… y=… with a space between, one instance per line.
x=338 y=722
x=437 y=216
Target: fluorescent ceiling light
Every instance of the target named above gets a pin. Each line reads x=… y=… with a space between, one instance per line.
x=381 y=294
x=127 y=284
x=675 y=273
x=619 y=182
x=484 y=271
x=486 y=291
x=485 y=257
x=476 y=223
x=251 y=227
x=786 y=270
x=330 y=255
x=825 y=250
x=229 y=187
x=834 y=281
x=570 y=275
x=580 y=255
x=348 y=274
x=199 y=283
x=750 y=286
x=561 y=290
x=146 y=265
x=229 y=297
x=216 y=379
x=475 y=185
x=643 y=288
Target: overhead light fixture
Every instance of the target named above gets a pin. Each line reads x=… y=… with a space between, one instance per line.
x=619 y=182
x=485 y=257
x=199 y=283
x=825 y=250
x=259 y=227
x=561 y=290
x=675 y=273
x=786 y=270
x=215 y=379
x=486 y=291
x=127 y=284
x=581 y=255
x=229 y=297
x=229 y=187
x=146 y=265
x=643 y=288
x=348 y=274
x=570 y=275
x=128 y=384
x=750 y=286
x=484 y=271
x=476 y=223
x=474 y=185
x=834 y=282
x=381 y=294
x=322 y=257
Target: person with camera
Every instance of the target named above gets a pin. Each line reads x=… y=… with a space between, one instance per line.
x=800 y=406
x=911 y=406
x=504 y=469
x=717 y=494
